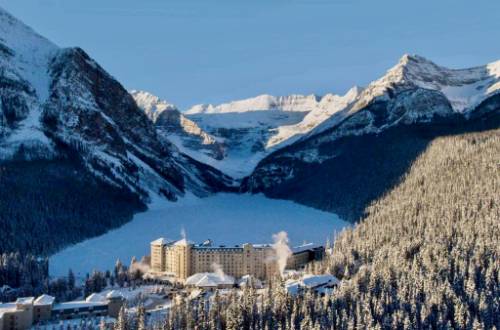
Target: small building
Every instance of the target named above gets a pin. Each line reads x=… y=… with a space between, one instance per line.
x=318 y=283
x=303 y=254
x=25 y=312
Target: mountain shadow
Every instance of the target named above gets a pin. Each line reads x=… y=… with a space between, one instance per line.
x=357 y=170
x=46 y=205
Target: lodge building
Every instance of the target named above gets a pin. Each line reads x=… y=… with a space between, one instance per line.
x=181 y=259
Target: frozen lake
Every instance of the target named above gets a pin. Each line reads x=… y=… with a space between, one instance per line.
x=227 y=219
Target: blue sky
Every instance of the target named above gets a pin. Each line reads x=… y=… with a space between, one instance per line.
x=204 y=51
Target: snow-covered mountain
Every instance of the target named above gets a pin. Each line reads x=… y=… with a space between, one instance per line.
x=233 y=137
x=174 y=127
x=363 y=148
x=246 y=131
x=25 y=84
x=261 y=102
x=56 y=95
x=63 y=112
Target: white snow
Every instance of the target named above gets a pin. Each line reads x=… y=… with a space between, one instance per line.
x=151 y=104
x=464 y=88
x=258 y=103
x=204 y=280
x=251 y=129
x=159 y=241
x=312 y=281
x=31 y=54
x=44 y=299
x=95 y=297
x=225 y=218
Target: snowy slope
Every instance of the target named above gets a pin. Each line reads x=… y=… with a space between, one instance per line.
x=24 y=60
x=175 y=128
x=261 y=102
x=464 y=88
x=53 y=96
x=414 y=90
x=235 y=136
x=151 y=105
x=210 y=217
x=251 y=129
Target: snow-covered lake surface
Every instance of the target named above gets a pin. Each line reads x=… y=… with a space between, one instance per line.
x=227 y=219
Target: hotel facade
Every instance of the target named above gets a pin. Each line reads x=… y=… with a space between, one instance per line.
x=181 y=259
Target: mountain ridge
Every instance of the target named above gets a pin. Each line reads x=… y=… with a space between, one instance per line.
x=372 y=142
x=60 y=109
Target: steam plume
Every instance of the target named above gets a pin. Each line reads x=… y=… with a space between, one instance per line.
x=142 y=266
x=282 y=250
x=217 y=269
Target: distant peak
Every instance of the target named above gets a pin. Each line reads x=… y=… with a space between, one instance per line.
x=408 y=60
x=354 y=90
x=151 y=104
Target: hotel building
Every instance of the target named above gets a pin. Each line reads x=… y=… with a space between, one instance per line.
x=181 y=259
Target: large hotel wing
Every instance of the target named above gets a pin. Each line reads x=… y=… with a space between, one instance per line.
x=181 y=259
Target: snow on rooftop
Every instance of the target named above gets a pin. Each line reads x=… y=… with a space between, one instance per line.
x=114 y=294
x=209 y=280
x=160 y=241
x=78 y=304
x=95 y=297
x=249 y=280
x=305 y=247
x=44 y=299
x=312 y=281
x=183 y=242
x=7 y=307
x=25 y=301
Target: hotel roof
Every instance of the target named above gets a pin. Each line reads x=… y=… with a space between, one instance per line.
x=305 y=247
x=95 y=297
x=209 y=280
x=160 y=241
x=44 y=300
x=183 y=242
x=25 y=301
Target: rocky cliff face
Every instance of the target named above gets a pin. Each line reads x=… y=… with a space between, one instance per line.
x=60 y=108
x=233 y=137
x=370 y=143
x=176 y=128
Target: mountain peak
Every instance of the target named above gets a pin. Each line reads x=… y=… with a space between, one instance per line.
x=464 y=88
x=151 y=104
x=25 y=52
x=413 y=58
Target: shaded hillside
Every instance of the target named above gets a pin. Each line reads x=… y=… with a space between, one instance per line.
x=48 y=204
x=346 y=174
x=426 y=255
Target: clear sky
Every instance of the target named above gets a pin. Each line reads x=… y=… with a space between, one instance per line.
x=212 y=51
